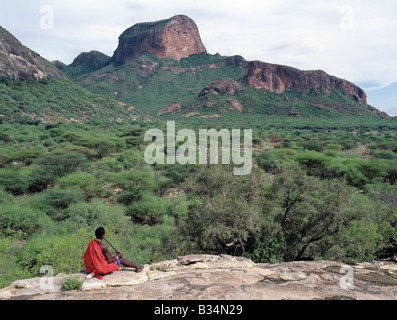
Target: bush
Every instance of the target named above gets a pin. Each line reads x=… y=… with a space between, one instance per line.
x=84 y=183
x=71 y=283
x=94 y=213
x=313 y=161
x=60 y=199
x=15 y=217
x=59 y=164
x=144 y=244
x=149 y=210
x=359 y=241
x=11 y=270
x=53 y=166
x=13 y=182
x=5 y=197
x=267 y=161
x=311 y=215
x=103 y=147
x=225 y=210
x=133 y=185
x=63 y=251
x=27 y=157
x=130 y=159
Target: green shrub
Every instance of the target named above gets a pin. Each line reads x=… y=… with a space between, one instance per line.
x=130 y=159
x=88 y=153
x=53 y=166
x=133 y=184
x=267 y=161
x=63 y=251
x=27 y=157
x=11 y=270
x=313 y=161
x=13 y=182
x=359 y=241
x=15 y=217
x=60 y=199
x=85 y=183
x=95 y=213
x=149 y=210
x=71 y=283
x=59 y=164
x=145 y=244
x=103 y=147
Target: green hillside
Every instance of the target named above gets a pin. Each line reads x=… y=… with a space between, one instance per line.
x=152 y=84
x=52 y=101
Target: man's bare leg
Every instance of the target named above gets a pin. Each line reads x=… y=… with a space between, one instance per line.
x=130 y=264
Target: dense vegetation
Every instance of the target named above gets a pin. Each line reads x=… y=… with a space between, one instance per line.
x=319 y=189
x=49 y=100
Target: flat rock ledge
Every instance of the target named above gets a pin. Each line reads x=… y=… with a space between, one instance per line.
x=206 y=277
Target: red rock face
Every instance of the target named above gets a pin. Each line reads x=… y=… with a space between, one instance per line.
x=175 y=38
x=279 y=79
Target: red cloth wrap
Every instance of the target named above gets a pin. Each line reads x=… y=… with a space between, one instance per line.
x=95 y=261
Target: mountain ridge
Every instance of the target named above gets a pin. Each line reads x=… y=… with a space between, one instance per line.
x=149 y=72
x=20 y=63
x=33 y=91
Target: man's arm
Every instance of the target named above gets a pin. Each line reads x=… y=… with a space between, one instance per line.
x=107 y=255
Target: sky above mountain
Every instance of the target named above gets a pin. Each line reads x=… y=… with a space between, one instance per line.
x=351 y=39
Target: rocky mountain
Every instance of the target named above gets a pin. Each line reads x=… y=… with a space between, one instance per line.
x=93 y=60
x=20 y=63
x=163 y=64
x=206 y=277
x=279 y=79
x=174 y=38
x=33 y=90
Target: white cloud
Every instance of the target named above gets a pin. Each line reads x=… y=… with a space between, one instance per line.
x=351 y=39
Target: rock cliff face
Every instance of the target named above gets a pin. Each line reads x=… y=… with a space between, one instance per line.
x=174 y=38
x=19 y=63
x=279 y=79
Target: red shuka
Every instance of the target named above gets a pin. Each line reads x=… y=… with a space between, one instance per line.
x=95 y=261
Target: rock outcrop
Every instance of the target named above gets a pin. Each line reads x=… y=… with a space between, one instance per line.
x=20 y=63
x=279 y=79
x=59 y=65
x=206 y=277
x=93 y=60
x=174 y=38
x=227 y=86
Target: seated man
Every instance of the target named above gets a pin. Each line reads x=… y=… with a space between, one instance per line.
x=98 y=260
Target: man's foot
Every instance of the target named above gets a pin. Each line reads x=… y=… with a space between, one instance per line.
x=139 y=269
x=91 y=275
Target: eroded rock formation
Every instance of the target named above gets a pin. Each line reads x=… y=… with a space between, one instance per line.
x=174 y=38
x=279 y=79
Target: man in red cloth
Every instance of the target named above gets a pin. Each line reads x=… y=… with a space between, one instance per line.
x=98 y=260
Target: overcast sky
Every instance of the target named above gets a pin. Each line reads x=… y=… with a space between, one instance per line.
x=351 y=39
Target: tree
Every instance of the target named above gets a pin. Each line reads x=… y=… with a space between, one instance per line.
x=54 y=165
x=132 y=185
x=313 y=161
x=225 y=210
x=13 y=182
x=313 y=214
